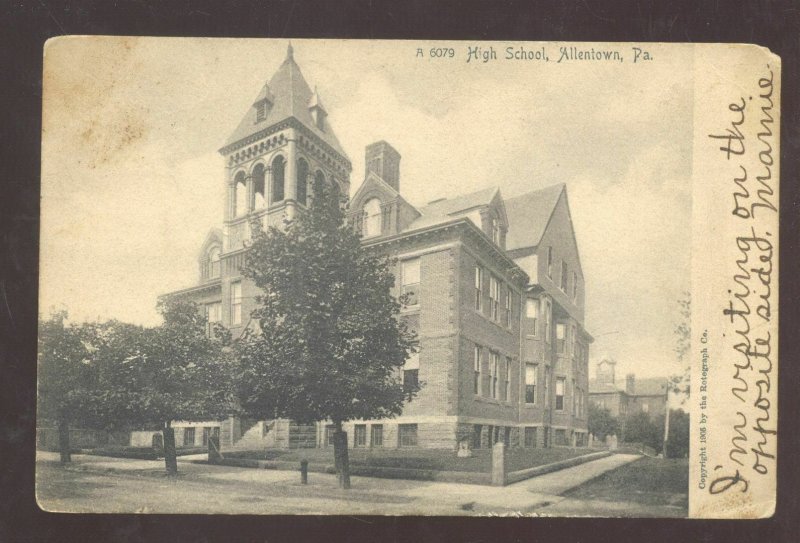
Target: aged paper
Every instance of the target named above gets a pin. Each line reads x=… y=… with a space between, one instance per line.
x=584 y=240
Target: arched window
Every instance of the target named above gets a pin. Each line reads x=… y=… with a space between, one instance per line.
x=302 y=181
x=319 y=182
x=278 y=171
x=259 y=194
x=239 y=195
x=372 y=218
x=213 y=262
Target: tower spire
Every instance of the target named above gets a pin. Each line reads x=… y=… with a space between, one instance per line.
x=290 y=51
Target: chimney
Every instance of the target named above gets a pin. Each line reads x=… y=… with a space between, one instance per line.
x=630 y=384
x=384 y=161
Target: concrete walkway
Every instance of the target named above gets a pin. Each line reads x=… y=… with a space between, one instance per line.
x=368 y=495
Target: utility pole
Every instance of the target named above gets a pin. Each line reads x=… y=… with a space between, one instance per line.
x=666 y=419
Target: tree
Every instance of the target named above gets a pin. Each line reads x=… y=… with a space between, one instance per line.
x=332 y=344
x=683 y=343
x=677 y=445
x=640 y=427
x=601 y=422
x=155 y=376
x=66 y=375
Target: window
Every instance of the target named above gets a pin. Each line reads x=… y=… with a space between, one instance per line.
x=239 y=195
x=550 y=262
x=532 y=312
x=645 y=407
x=213 y=262
x=213 y=315
x=561 y=437
x=411 y=279
x=330 y=430
x=206 y=433
x=278 y=172
x=561 y=332
x=493 y=367
x=530 y=437
x=478 y=288
x=494 y=296
x=372 y=218
x=236 y=303
x=302 y=182
x=507 y=382
x=476 y=436
x=564 y=276
x=560 y=383
x=360 y=435
x=530 y=383
x=507 y=307
x=575 y=287
x=407 y=434
x=477 y=370
x=411 y=373
x=188 y=436
x=547 y=316
x=377 y=435
x=495 y=231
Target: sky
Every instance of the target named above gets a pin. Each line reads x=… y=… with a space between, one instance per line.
x=132 y=180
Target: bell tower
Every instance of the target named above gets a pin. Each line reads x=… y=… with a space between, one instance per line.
x=282 y=145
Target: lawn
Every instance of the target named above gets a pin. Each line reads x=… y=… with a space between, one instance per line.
x=648 y=481
x=425 y=459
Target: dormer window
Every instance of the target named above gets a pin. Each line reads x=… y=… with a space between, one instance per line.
x=261 y=111
x=495 y=231
x=372 y=218
x=213 y=262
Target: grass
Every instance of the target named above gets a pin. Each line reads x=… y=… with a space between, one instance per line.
x=648 y=481
x=424 y=459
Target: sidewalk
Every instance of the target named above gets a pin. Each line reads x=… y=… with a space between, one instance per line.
x=367 y=495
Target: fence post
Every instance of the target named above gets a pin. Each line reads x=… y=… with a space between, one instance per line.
x=303 y=472
x=499 y=464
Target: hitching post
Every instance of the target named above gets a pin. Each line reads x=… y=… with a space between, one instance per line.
x=303 y=472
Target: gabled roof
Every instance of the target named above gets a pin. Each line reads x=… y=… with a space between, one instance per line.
x=291 y=97
x=529 y=215
x=440 y=211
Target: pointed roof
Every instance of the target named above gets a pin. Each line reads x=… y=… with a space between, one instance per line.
x=292 y=97
x=529 y=215
x=445 y=209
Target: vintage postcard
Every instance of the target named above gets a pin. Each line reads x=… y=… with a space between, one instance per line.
x=408 y=278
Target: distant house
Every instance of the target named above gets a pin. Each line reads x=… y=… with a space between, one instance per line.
x=630 y=396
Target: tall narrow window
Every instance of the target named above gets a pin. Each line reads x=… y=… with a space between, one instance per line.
x=547 y=316
x=495 y=231
x=477 y=370
x=532 y=312
x=360 y=435
x=507 y=307
x=550 y=262
x=259 y=189
x=561 y=340
x=278 y=179
x=377 y=435
x=213 y=316
x=564 y=276
x=236 y=303
x=239 y=195
x=411 y=372
x=494 y=296
x=478 y=288
x=188 y=436
x=372 y=218
x=411 y=280
x=319 y=182
x=575 y=287
x=530 y=383
x=507 y=381
x=213 y=262
x=302 y=181
x=493 y=367
x=560 y=383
